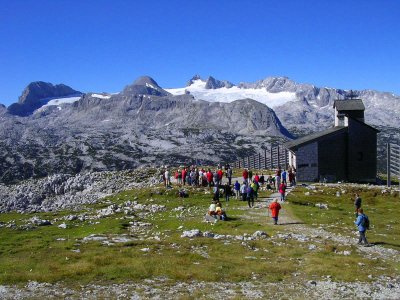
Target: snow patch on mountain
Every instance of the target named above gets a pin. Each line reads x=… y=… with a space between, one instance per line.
x=150 y=86
x=227 y=95
x=60 y=101
x=70 y=100
x=101 y=96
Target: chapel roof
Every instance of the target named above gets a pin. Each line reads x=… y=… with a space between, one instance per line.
x=349 y=104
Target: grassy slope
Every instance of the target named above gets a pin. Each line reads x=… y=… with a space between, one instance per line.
x=36 y=254
x=381 y=208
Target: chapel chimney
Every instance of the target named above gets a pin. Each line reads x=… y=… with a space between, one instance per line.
x=348 y=108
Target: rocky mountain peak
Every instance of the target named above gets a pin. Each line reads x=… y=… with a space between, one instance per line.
x=146 y=80
x=272 y=84
x=193 y=79
x=3 y=109
x=145 y=85
x=213 y=83
x=36 y=94
x=39 y=90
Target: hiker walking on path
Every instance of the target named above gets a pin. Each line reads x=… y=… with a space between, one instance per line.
x=362 y=223
x=277 y=178
x=250 y=176
x=250 y=196
x=237 y=189
x=283 y=176
x=243 y=190
x=292 y=179
x=275 y=208
x=245 y=175
x=227 y=192
x=254 y=186
x=216 y=192
x=282 y=191
x=229 y=174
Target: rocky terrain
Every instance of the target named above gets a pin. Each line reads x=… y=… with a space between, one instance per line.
x=142 y=125
x=313 y=239
x=62 y=191
x=301 y=107
x=162 y=288
x=209 y=121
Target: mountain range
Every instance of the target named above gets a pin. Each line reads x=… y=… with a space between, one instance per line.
x=56 y=129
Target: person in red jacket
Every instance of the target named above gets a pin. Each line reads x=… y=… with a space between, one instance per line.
x=209 y=176
x=245 y=175
x=282 y=191
x=220 y=174
x=257 y=178
x=184 y=176
x=275 y=207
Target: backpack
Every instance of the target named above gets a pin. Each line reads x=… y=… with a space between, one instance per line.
x=365 y=222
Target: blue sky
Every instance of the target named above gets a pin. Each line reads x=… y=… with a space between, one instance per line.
x=104 y=45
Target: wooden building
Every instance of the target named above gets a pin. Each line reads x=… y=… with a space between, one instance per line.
x=345 y=152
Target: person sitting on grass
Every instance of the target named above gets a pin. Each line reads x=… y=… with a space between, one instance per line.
x=219 y=212
x=212 y=209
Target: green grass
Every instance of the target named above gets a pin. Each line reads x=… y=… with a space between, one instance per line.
x=36 y=254
x=381 y=208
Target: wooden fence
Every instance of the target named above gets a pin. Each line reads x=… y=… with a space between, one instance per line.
x=271 y=158
x=393 y=162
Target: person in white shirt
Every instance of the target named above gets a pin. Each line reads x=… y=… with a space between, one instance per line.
x=211 y=209
x=167 y=178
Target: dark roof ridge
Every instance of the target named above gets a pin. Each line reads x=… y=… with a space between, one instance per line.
x=363 y=123
x=313 y=136
x=349 y=104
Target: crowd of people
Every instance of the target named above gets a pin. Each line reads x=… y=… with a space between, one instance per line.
x=247 y=190
x=198 y=176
